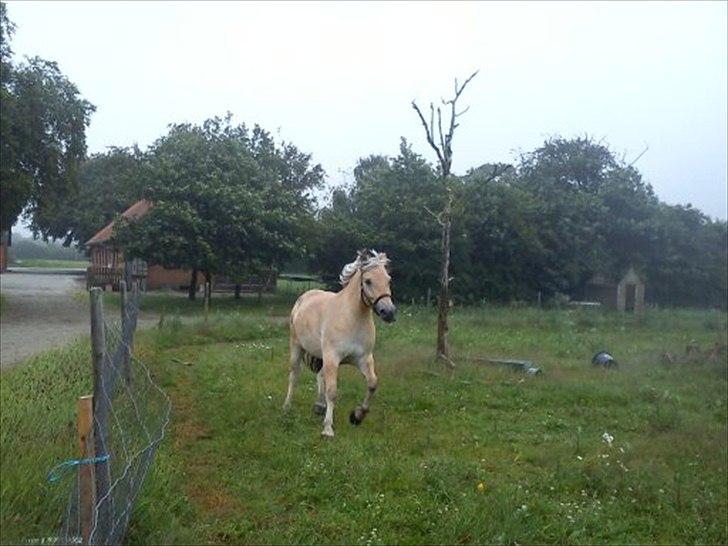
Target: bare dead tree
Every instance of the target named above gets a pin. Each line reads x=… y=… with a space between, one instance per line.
x=443 y=149
x=444 y=217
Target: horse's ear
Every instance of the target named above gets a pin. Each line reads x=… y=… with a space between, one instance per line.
x=364 y=254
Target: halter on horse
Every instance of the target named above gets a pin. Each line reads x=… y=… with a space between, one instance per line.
x=329 y=329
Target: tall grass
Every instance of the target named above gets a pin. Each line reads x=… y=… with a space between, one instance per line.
x=38 y=431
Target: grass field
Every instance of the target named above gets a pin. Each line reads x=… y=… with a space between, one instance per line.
x=485 y=456
x=51 y=264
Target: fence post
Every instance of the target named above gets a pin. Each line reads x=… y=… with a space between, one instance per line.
x=126 y=333
x=86 y=486
x=101 y=404
x=135 y=291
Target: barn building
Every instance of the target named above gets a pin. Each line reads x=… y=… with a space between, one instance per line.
x=107 y=262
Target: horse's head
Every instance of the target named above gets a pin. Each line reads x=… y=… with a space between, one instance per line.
x=376 y=284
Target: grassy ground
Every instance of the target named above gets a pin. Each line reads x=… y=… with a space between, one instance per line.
x=51 y=264
x=484 y=456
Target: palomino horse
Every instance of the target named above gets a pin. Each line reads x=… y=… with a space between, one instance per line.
x=328 y=329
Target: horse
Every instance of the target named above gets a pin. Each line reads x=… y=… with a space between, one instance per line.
x=328 y=329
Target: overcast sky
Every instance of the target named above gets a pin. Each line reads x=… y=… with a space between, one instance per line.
x=337 y=79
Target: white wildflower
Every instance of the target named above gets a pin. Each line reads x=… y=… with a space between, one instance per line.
x=608 y=438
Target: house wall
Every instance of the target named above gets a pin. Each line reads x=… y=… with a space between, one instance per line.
x=103 y=256
x=160 y=277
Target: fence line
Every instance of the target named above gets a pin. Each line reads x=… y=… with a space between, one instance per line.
x=130 y=416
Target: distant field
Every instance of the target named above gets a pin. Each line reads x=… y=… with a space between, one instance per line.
x=576 y=455
x=51 y=264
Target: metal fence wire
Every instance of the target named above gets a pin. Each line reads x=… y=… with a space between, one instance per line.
x=130 y=417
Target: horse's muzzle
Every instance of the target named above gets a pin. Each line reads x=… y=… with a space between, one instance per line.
x=385 y=310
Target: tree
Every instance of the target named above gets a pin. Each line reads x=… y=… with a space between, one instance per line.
x=593 y=212
x=43 y=139
x=225 y=200
x=443 y=150
x=385 y=204
x=108 y=183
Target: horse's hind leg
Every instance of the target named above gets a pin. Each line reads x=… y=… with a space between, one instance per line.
x=366 y=367
x=295 y=369
x=329 y=371
x=319 y=407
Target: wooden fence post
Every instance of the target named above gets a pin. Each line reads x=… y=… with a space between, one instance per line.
x=102 y=395
x=125 y=332
x=87 y=450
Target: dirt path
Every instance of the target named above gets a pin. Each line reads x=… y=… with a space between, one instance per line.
x=42 y=309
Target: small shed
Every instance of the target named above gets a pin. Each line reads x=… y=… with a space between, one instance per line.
x=625 y=293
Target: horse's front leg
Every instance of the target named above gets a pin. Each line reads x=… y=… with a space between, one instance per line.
x=329 y=371
x=366 y=367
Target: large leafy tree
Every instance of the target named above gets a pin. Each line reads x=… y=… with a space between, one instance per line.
x=568 y=210
x=225 y=200
x=687 y=259
x=42 y=136
x=108 y=183
x=593 y=210
x=385 y=208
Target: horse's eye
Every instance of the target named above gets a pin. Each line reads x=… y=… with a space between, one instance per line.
x=367 y=281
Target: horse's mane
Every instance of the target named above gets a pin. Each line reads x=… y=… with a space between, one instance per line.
x=365 y=260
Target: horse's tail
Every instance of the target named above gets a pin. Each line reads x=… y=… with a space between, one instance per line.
x=313 y=362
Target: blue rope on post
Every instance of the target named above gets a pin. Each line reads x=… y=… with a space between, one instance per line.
x=58 y=471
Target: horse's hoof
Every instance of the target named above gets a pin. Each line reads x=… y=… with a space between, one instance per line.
x=318 y=409
x=355 y=418
x=327 y=433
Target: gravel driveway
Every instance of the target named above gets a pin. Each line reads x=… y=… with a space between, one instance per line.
x=42 y=309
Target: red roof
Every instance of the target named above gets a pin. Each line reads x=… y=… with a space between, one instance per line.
x=137 y=210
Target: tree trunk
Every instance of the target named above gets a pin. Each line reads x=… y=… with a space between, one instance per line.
x=208 y=282
x=193 y=285
x=443 y=303
x=237 y=291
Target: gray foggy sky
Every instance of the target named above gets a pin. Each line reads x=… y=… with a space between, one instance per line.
x=337 y=79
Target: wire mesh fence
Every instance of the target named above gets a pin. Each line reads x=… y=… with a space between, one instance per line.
x=129 y=420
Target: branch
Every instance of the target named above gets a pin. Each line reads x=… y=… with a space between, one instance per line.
x=439 y=125
x=459 y=91
x=444 y=151
x=496 y=172
x=436 y=216
x=428 y=133
x=643 y=152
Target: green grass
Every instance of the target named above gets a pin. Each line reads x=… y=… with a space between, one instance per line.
x=51 y=264
x=234 y=469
